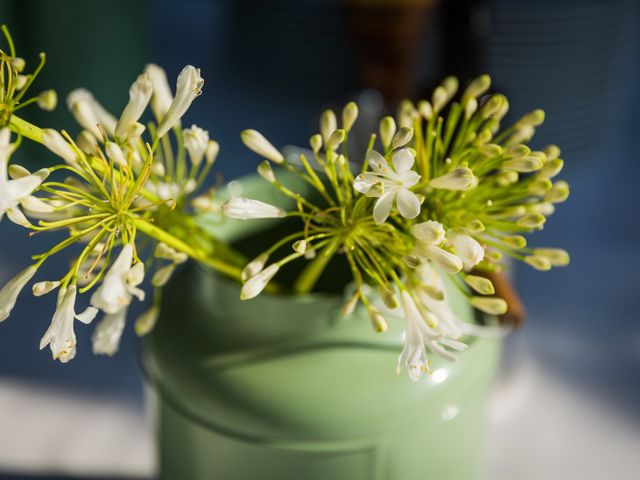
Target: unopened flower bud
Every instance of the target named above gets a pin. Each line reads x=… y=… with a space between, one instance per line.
x=516 y=151
x=425 y=109
x=531 y=119
x=491 y=106
x=552 y=167
x=551 y=151
x=531 y=220
x=387 y=131
x=514 y=241
x=254 y=266
x=470 y=108
x=556 y=256
x=211 y=153
x=388 y=296
x=402 y=137
x=349 y=115
x=540 y=186
x=145 y=322
x=558 y=193
x=163 y=275
x=439 y=99
x=48 y=100
x=21 y=81
x=460 y=179
x=475 y=226
x=523 y=164
x=378 y=322
x=538 y=262
x=490 y=305
x=254 y=285
x=407 y=113
x=476 y=88
x=490 y=150
x=18 y=64
x=300 y=246
x=42 y=288
x=335 y=139
x=316 y=142
x=481 y=285
x=328 y=124
x=266 y=172
x=256 y=142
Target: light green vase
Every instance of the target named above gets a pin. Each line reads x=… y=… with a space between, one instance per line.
x=282 y=387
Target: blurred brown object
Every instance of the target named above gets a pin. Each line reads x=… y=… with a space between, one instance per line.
x=516 y=314
x=387 y=36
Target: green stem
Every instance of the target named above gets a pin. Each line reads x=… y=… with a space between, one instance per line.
x=26 y=129
x=310 y=275
x=174 y=242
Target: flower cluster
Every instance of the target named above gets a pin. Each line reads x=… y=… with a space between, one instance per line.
x=122 y=200
x=442 y=194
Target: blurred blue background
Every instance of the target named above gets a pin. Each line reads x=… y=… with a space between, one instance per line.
x=274 y=66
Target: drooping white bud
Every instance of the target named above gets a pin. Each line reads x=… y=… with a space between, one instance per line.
x=87 y=142
x=188 y=87
x=139 y=96
x=256 y=142
x=431 y=232
x=378 y=322
x=42 y=288
x=256 y=284
x=163 y=275
x=254 y=266
x=300 y=246
x=115 y=154
x=467 y=249
x=246 y=208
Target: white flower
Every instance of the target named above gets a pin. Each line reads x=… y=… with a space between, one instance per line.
x=10 y=291
x=139 y=96
x=256 y=284
x=188 y=87
x=414 y=354
x=12 y=192
x=196 y=141
x=120 y=283
x=88 y=112
x=107 y=334
x=256 y=142
x=60 y=335
x=162 y=96
x=467 y=249
x=247 y=208
x=428 y=236
x=390 y=184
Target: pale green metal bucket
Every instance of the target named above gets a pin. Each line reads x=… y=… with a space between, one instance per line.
x=282 y=387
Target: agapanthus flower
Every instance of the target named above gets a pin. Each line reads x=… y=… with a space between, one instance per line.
x=390 y=185
x=60 y=335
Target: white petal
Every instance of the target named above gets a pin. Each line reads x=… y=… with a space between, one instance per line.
x=88 y=315
x=377 y=162
x=408 y=204
x=383 y=206
x=447 y=261
x=365 y=182
x=106 y=337
x=409 y=179
x=403 y=160
x=162 y=96
x=10 y=291
x=17 y=217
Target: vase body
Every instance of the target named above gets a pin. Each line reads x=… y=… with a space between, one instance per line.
x=285 y=388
